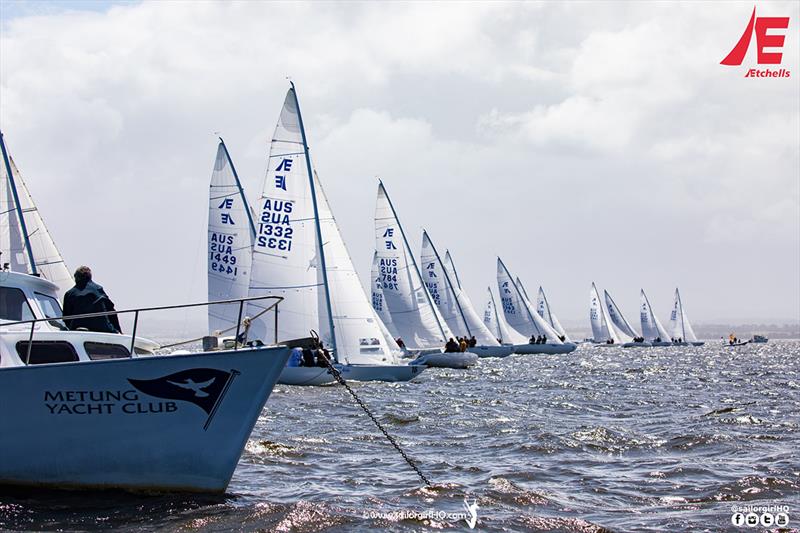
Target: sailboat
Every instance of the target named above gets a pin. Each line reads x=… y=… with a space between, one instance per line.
x=520 y=316
x=415 y=317
x=496 y=324
x=299 y=254
x=603 y=330
x=25 y=244
x=652 y=330
x=543 y=308
x=679 y=325
x=625 y=331
x=455 y=306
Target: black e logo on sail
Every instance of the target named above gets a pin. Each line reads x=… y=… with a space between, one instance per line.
x=204 y=387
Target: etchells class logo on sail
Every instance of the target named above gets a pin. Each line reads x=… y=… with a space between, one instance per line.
x=769 y=43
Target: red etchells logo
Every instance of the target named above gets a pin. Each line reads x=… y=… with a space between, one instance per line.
x=763 y=40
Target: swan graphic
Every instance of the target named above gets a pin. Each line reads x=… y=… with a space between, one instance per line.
x=472 y=512
x=197 y=388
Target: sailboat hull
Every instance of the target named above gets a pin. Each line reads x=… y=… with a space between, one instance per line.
x=637 y=345
x=492 y=351
x=92 y=425
x=526 y=349
x=315 y=376
x=446 y=360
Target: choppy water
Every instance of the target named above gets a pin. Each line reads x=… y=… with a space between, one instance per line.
x=602 y=439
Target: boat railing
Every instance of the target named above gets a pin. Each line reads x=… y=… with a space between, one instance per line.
x=137 y=311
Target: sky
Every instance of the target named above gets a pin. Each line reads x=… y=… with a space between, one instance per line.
x=579 y=141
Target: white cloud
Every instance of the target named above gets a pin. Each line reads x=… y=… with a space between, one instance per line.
x=561 y=136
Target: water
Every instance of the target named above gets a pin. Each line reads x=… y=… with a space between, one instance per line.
x=603 y=439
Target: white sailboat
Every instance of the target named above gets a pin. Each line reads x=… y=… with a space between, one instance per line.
x=679 y=325
x=603 y=331
x=415 y=317
x=625 y=331
x=543 y=308
x=230 y=243
x=652 y=330
x=520 y=317
x=25 y=244
x=299 y=254
x=454 y=304
x=496 y=323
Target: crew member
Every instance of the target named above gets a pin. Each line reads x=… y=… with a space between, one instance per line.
x=88 y=297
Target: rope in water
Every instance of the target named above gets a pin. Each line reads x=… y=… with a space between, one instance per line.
x=338 y=376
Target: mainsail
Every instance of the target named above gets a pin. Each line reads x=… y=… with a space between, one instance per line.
x=679 y=324
x=543 y=308
x=440 y=276
x=230 y=242
x=299 y=254
x=286 y=252
x=624 y=329
x=25 y=243
x=517 y=309
x=378 y=299
x=414 y=316
x=496 y=323
x=651 y=326
x=602 y=329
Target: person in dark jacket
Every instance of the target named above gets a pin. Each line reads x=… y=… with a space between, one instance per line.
x=89 y=297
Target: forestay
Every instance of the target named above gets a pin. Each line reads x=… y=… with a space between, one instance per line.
x=624 y=329
x=414 y=317
x=43 y=257
x=517 y=310
x=230 y=242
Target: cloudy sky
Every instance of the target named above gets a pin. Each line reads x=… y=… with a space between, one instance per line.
x=579 y=141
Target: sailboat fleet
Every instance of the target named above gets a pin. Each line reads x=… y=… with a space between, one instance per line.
x=282 y=279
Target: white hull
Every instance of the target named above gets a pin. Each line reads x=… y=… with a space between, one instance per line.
x=525 y=349
x=493 y=351
x=314 y=376
x=87 y=425
x=637 y=345
x=446 y=360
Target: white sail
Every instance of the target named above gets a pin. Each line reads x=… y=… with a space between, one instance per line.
x=414 y=317
x=379 y=301
x=43 y=257
x=482 y=334
x=649 y=329
x=679 y=323
x=230 y=243
x=359 y=336
x=517 y=309
x=286 y=261
x=602 y=330
x=440 y=287
x=496 y=323
x=454 y=304
x=543 y=308
x=625 y=331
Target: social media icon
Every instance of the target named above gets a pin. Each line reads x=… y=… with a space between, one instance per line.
x=781 y=519
x=751 y=519
x=737 y=519
x=767 y=519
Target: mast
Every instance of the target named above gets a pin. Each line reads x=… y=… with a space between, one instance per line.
x=316 y=224
x=449 y=283
x=17 y=206
x=413 y=261
x=239 y=185
x=680 y=306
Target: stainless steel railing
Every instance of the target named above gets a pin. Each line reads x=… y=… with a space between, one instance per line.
x=240 y=301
